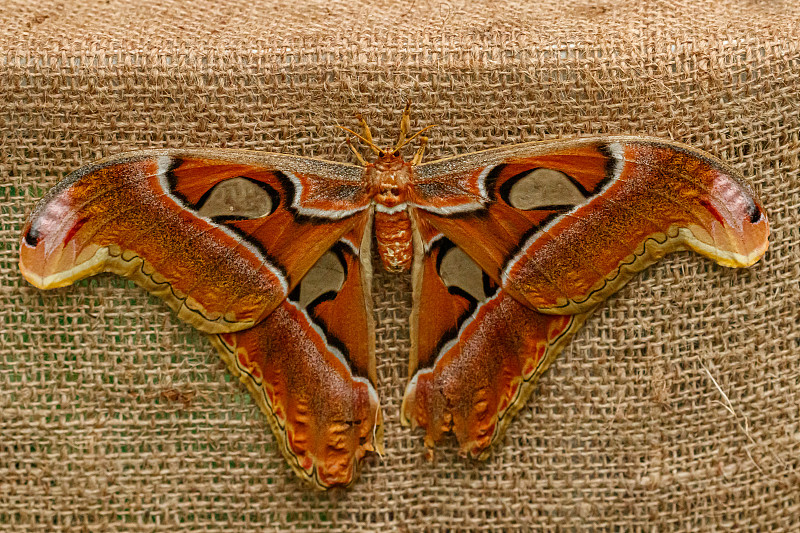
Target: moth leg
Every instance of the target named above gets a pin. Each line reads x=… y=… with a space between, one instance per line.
x=358 y=155
x=405 y=126
x=366 y=133
x=420 y=151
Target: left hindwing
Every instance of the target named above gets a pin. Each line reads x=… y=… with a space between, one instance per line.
x=476 y=352
x=562 y=225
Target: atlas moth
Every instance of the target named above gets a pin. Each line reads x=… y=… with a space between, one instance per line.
x=510 y=249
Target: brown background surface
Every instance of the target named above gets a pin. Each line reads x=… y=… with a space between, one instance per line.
x=116 y=417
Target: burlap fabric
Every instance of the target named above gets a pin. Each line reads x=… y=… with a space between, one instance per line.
x=676 y=407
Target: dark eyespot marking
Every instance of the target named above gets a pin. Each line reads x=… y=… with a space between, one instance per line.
x=238 y=199
x=32 y=236
x=541 y=188
x=754 y=212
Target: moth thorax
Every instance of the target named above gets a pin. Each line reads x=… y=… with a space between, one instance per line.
x=393 y=235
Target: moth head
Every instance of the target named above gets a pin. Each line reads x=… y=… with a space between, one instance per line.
x=388 y=178
x=389 y=162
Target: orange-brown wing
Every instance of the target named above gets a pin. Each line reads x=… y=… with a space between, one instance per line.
x=505 y=236
x=263 y=250
x=310 y=366
x=222 y=236
x=476 y=352
x=560 y=226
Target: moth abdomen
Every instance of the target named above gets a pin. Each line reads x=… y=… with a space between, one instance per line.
x=393 y=235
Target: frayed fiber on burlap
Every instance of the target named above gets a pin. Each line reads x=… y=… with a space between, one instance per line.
x=677 y=406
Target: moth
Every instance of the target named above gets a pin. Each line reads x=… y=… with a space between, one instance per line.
x=509 y=249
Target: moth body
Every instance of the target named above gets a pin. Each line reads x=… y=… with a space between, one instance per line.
x=388 y=178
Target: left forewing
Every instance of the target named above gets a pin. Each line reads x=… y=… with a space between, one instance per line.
x=562 y=225
x=221 y=236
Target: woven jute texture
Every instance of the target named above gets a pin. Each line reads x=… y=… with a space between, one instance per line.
x=677 y=406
